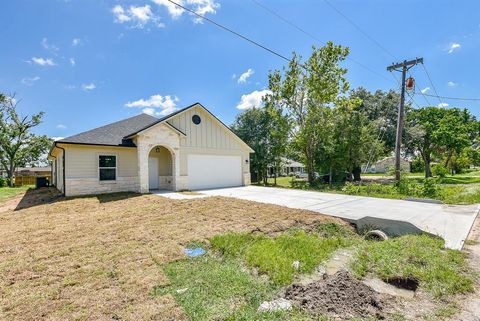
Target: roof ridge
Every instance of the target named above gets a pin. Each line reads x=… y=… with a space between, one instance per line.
x=108 y=125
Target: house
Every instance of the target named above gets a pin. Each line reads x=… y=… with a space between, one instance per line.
x=287 y=167
x=189 y=149
x=386 y=164
x=33 y=171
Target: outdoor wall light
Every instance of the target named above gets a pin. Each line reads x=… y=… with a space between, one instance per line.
x=157 y=149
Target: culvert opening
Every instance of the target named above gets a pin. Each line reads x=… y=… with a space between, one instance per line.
x=404 y=283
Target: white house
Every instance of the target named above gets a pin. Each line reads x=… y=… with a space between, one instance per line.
x=288 y=167
x=189 y=149
x=386 y=164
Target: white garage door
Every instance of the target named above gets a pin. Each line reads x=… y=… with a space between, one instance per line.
x=212 y=171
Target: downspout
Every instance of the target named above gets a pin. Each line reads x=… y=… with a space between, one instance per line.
x=63 y=169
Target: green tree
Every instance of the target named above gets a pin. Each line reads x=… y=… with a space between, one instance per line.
x=18 y=146
x=381 y=108
x=252 y=126
x=440 y=132
x=278 y=125
x=355 y=138
x=309 y=89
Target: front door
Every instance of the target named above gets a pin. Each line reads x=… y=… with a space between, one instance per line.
x=153 y=172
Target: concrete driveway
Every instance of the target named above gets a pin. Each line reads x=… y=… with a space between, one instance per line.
x=451 y=222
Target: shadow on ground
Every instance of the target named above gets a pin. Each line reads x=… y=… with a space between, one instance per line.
x=47 y=195
x=38 y=196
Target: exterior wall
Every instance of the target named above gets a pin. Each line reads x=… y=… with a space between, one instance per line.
x=81 y=170
x=209 y=137
x=57 y=170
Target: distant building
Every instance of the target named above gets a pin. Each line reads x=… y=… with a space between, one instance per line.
x=385 y=165
x=288 y=167
x=33 y=171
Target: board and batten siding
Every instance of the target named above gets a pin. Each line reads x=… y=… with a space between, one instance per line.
x=209 y=137
x=81 y=169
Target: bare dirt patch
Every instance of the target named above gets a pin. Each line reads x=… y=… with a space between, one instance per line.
x=338 y=296
x=98 y=257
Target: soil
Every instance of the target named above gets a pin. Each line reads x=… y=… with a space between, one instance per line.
x=339 y=296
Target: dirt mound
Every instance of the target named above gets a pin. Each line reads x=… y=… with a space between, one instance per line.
x=339 y=296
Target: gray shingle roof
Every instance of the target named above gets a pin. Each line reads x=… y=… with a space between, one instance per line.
x=112 y=134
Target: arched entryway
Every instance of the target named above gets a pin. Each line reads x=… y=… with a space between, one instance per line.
x=160 y=169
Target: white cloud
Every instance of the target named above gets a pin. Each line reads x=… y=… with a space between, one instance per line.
x=443 y=105
x=57 y=138
x=61 y=126
x=202 y=7
x=166 y=104
x=137 y=15
x=29 y=81
x=49 y=47
x=452 y=84
x=149 y=111
x=424 y=90
x=173 y=10
x=243 y=77
x=76 y=42
x=453 y=46
x=88 y=87
x=253 y=99
x=72 y=61
x=42 y=61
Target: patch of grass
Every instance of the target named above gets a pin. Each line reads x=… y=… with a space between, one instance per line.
x=10 y=192
x=440 y=271
x=274 y=255
x=211 y=288
x=444 y=312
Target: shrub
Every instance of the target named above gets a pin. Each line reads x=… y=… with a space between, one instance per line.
x=439 y=170
x=418 y=165
x=430 y=188
x=3 y=181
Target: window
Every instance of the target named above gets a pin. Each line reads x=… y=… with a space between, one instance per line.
x=107 y=167
x=196 y=119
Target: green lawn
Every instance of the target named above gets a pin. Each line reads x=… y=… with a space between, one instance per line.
x=457 y=189
x=10 y=192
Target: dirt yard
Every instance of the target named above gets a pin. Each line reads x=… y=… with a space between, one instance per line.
x=99 y=257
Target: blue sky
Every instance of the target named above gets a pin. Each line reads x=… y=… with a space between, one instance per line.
x=87 y=63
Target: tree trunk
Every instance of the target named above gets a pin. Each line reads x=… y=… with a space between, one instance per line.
x=275 y=175
x=356 y=173
x=330 y=176
x=428 y=171
x=10 y=173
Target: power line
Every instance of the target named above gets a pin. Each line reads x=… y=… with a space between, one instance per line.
x=361 y=30
x=310 y=35
x=431 y=82
x=449 y=98
x=231 y=31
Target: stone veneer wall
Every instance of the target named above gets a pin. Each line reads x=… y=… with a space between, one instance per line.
x=86 y=186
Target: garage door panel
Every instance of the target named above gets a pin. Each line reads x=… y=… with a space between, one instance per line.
x=214 y=171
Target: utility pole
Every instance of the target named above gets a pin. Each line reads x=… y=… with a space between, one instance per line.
x=403 y=67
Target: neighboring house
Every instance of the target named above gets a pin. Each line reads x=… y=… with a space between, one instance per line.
x=288 y=167
x=189 y=149
x=386 y=164
x=33 y=171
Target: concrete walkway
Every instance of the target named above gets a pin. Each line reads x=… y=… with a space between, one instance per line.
x=451 y=222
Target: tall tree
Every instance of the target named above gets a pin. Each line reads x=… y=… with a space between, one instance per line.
x=278 y=126
x=308 y=89
x=381 y=108
x=355 y=138
x=252 y=126
x=18 y=146
x=434 y=131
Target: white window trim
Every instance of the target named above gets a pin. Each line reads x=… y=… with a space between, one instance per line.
x=116 y=168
